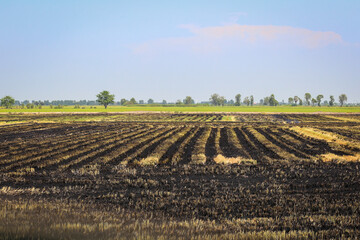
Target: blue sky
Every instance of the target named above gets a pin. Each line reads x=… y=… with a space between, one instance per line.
x=169 y=50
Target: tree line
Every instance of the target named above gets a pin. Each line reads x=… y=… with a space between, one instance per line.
x=105 y=98
x=218 y=100
x=309 y=100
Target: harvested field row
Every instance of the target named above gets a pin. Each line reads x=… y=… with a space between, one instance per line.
x=268 y=118
x=14 y=119
x=347 y=133
x=64 y=140
x=171 y=144
x=71 y=152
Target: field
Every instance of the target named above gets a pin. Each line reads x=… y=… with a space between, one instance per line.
x=180 y=176
x=187 y=109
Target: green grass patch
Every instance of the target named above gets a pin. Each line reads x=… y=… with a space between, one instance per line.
x=147 y=108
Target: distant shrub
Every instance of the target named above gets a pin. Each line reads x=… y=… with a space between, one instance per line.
x=30 y=105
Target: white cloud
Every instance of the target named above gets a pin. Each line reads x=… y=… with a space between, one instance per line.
x=216 y=38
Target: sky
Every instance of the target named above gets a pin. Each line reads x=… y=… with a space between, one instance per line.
x=73 y=49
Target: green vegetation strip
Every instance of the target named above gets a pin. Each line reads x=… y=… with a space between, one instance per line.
x=147 y=108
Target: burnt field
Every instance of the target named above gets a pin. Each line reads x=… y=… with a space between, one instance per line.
x=180 y=175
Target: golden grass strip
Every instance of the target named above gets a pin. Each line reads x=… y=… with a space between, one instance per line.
x=199 y=156
x=154 y=157
x=221 y=159
x=268 y=144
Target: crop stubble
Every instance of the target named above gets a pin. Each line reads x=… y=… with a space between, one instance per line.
x=287 y=188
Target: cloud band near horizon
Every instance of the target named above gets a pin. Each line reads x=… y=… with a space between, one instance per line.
x=208 y=39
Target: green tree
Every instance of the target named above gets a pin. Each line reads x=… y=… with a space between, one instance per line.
x=251 y=100
x=296 y=99
x=246 y=101
x=221 y=101
x=307 y=98
x=237 y=99
x=150 y=101
x=318 y=99
x=217 y=100
x=188 y=100
x=313 y=101
x=266 y=101
x=291 y=101
x=273 y=101
x=132 y=101
x=342 y=99
x=105 y=98
x=7 y=102
x=214 y=99
x=164 y=102
x=123 y=101
x=332 y=100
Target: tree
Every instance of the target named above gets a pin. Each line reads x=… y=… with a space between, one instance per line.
x=237 y=99
x=105 y=98
x=132 y=101
x=332 y=100
x=214 y=99
x=164 y=102
x=313 y=101
x=342 y=99
x=217 y=100
x=296 y=99
x=246 y=101
x=221 y=101
x=318 y=99
x=7 y=101
x=291 y=101
x=273 y=101
x=123 y=101
x=307 y=98
x=251 y=100
x=188 y=100
x=266 y=101
x=300 y=102
x=150 y=101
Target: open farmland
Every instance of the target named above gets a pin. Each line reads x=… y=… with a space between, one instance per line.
x=156 y=175
x=183 y=109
